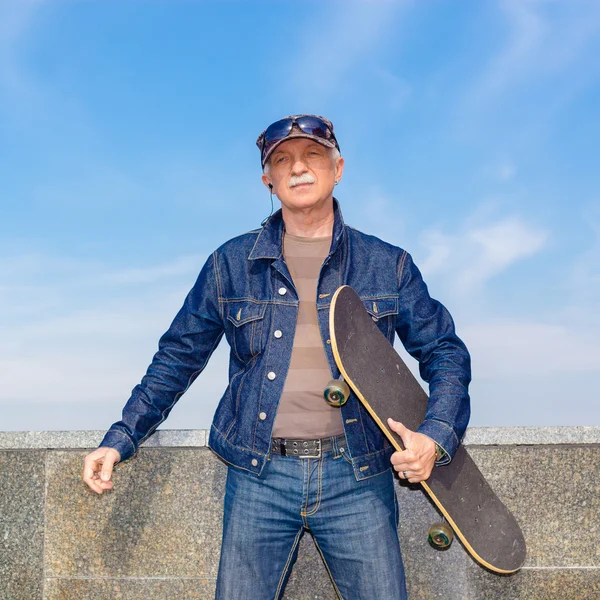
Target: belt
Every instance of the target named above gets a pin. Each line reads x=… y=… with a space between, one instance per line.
x=306 y=448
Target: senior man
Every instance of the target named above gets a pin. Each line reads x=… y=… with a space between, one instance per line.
x=296 y=464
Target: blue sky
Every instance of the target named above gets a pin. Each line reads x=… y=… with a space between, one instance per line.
x=127 y=154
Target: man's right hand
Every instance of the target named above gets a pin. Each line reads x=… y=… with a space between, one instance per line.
x=98 y=467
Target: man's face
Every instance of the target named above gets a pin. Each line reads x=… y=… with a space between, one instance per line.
x=303 y=173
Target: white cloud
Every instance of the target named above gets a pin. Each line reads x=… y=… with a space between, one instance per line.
x=439 y=249
x=581 y=287
x=503 y=172
x=528 y=31
x=95 y=340
x=37 y=291
x=479 y=252
x=533 y=373
x=374 y=212
x=511 y=348
x=53 y=307
x=398 y=89
x=538 y=44
x=349 y=32
x=72 y=271
x=525 y=372
x=16 y=19
x=183 y=265
x=89 y=356
x=544 y=60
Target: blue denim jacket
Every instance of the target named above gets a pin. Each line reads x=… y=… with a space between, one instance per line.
x=246 y=292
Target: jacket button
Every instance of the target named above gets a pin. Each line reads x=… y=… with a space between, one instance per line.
x=282 y=291
x=262 y=416
x=271 y=375
x=278 y=334
x=254 y=462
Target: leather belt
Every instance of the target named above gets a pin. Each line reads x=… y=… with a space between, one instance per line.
x=306 y=448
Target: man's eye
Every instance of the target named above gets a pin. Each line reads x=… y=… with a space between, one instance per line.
x=280 y=159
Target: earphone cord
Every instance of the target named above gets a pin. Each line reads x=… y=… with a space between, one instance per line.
x=267 y=218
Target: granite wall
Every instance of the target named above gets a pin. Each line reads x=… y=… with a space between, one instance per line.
x=157 y=535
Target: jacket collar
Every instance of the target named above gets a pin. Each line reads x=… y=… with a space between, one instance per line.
x=269 y=241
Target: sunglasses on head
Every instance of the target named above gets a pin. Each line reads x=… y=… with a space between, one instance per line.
x=310 y=125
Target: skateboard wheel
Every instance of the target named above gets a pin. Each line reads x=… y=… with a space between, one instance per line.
x=337 y=392
x=440 y=535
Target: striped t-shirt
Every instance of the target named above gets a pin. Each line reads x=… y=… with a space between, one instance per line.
x=302 y=412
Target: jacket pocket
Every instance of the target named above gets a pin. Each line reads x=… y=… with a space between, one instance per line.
x=246 y=334
x=383 y=311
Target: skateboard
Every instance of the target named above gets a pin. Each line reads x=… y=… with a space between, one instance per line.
x=387 y=388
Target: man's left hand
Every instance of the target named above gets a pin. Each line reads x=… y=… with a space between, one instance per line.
x=416 y=462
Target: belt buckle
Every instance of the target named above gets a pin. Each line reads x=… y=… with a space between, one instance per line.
x=306 y=452
x=302 y=448
x=299 y=448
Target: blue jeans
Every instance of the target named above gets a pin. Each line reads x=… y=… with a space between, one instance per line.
x=354 y=525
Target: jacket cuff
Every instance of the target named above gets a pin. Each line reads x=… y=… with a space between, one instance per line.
x=121 y=442
x=443 y=435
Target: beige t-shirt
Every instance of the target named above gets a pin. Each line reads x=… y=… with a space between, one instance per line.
x=302 y=412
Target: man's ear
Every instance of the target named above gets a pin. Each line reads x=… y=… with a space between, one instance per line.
x=267 y=181
x=339 y=168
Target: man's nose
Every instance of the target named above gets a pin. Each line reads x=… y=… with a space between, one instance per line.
x=299 y=166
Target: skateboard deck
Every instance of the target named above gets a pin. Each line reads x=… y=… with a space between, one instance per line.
x=387 y=388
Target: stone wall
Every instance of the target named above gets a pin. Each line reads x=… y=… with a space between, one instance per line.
x=157 y=535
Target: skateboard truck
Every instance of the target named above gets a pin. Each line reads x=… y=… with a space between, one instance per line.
x=336 y=393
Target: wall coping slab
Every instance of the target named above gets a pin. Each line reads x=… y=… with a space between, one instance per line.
x=197 y=438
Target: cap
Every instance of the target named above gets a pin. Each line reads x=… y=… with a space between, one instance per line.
x=312 y=127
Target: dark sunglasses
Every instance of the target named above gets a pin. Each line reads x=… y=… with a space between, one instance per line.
x=309 y=125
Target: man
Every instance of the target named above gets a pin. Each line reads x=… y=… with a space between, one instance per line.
x=296 y=463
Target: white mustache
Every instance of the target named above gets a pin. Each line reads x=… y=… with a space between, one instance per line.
x=297 y=180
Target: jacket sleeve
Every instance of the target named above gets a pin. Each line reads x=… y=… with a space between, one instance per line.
x=426 y=329
x=183 y=352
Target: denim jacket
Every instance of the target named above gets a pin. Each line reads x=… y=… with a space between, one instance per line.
x=245 y=292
